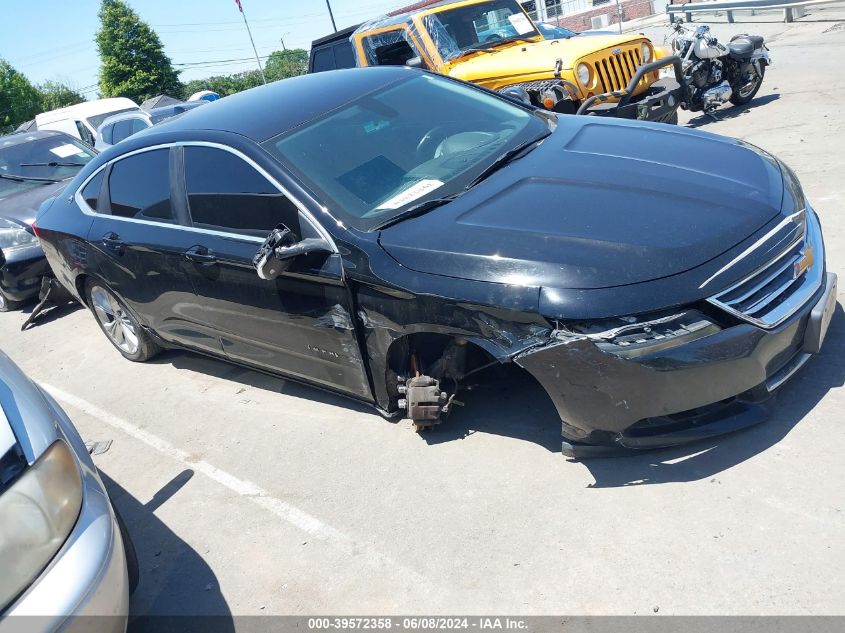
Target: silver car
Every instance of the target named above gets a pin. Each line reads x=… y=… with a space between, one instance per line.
x=62 y=553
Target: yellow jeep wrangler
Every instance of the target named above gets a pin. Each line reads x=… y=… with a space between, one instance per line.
x=495 y=44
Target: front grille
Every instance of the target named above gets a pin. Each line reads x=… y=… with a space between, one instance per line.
x=614 y=71
x=774 y=292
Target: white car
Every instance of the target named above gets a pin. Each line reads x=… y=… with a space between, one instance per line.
x=121 y=126
x=83 y=119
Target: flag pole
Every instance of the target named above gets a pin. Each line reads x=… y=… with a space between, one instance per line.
x=254 y=50
x=331 y=15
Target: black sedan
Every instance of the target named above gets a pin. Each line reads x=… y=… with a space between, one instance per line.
x=384 y=233
x=34 y=166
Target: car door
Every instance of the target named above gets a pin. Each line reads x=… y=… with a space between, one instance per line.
x=301 y=323
x=140 y=244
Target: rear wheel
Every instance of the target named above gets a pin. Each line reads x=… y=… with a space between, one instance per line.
x=749 y=90
x=119 y=326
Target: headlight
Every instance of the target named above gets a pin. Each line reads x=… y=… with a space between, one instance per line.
x=584 y=74
x=646 y=51
x=13 y=235
x=634 y=336
x=37 y=513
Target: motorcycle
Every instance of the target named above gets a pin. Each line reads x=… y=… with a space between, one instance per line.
x=715 y=73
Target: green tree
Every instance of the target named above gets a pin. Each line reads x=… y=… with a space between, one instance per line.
x=55 y=94
x=284 y=64
x=224 y=85
x=19 y=100
x=133 y=64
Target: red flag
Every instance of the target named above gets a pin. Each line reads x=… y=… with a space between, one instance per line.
x=240 y=8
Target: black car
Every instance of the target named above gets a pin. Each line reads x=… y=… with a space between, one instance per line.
x=34 y=166
x=386 y=232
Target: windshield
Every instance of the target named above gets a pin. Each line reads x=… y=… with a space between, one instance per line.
x=33 y=160
x=420 y=138
x=477 y=26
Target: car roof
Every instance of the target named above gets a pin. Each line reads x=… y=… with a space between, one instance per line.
x=335 y=37
x=85 y=109
x=123 y=116
x=266 y=111
x=16 y=138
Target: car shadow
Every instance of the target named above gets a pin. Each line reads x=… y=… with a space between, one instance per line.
x=50 y=313
x=226 y=370
x=176 y=584
x=707 y=458
x=724 y=114
x=506 y=402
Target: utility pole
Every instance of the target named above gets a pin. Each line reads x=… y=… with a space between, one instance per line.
x=252 y=41
x=331 y=15
x=619 y=15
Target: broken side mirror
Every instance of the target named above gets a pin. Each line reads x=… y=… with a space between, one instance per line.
x=280 y=249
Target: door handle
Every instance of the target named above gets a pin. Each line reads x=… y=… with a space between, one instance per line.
x=201 y=255
x=113 y=243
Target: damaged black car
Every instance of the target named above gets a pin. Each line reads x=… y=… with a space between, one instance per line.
x=386 y=233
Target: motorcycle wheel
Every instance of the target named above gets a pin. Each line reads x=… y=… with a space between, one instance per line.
x=741 y=97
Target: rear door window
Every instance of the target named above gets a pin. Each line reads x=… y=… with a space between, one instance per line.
x=225 y=193
x=323 y=60
x=91 y=191
x=139 y=187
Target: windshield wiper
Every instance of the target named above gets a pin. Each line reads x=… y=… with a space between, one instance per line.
x=467 y=51
x=19 y=178
x=510 y=155
x=52 y=164
x=508 y=40
x=418 y=209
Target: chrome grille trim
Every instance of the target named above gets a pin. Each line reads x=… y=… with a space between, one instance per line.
x=771 y=294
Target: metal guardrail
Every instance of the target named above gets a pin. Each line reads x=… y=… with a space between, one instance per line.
x=791 y=10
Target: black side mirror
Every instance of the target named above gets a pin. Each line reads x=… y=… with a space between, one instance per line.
x=280 y=249
x=415 y=62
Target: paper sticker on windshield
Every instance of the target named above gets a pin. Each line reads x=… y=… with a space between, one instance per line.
x=520 y=23
x=417 y=190
x=63 y=151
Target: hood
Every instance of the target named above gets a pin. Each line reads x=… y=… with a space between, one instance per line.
x=530 y=58
x=600 y=203
x=23 y=207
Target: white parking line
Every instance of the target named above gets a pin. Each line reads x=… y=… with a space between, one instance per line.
x=247 y=489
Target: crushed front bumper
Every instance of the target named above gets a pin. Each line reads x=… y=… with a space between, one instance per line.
x=707 y=387
x=21 y=271
x=659 y=103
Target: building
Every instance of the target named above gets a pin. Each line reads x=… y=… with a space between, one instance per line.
x=583 y=15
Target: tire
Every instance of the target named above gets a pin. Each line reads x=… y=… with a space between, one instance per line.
x=738 y=99
x=118 y=324
x=7 y=305
x=133 y=570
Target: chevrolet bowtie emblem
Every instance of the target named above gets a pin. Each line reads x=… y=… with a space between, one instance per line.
x=801 y=266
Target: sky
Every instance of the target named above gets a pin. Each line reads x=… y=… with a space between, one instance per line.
x=54 y=39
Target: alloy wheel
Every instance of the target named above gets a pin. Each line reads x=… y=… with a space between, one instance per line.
x=116 y=323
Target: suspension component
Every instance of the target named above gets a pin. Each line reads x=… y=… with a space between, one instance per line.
x=424 y=401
